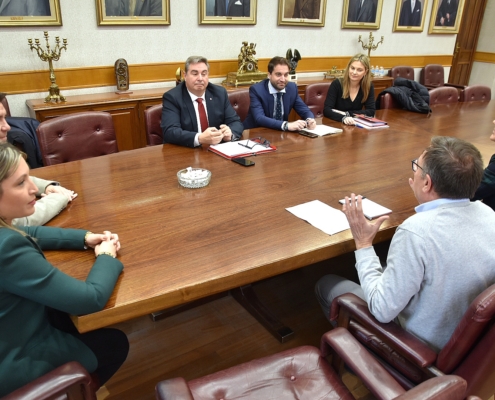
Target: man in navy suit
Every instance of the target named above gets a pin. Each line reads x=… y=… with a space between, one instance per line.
x=233 y=8
x=139 y=8
x=273 y=91
x=182 y=119
x=410 y=14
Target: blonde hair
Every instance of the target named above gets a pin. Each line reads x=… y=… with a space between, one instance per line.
x=10 y=158
x=365 y=81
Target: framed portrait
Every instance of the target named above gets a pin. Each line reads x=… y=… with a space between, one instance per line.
x=30 y=12
x=410 y=15
x=228 y=12
x=133 y=12
x=446 y=16
x=365 y=14
x=302 y=12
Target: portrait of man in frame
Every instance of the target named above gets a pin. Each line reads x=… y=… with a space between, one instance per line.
x=302 y=12
x=410 y=15
x=229 y=12
x=30 y=12
x=133 y=8
x=362 y=14
x=446 y=16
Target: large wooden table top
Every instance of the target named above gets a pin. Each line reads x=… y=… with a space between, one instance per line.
x=182 y=244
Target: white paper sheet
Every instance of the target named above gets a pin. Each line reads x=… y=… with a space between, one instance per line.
x=321 y=216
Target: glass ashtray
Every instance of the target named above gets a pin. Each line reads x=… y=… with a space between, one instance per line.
x=194 y=178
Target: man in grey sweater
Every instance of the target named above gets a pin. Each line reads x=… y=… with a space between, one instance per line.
x=439 y=259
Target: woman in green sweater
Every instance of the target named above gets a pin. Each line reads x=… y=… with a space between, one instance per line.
x=36 y=333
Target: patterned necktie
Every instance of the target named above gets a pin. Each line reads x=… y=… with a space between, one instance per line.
x=278 y=107
x=203 y=119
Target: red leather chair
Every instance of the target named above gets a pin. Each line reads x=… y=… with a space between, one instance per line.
x=153 y=118
x=476 y=93
x=443 y=94
x=69 y=381
x=314 y=97
x=303 y=373
x=404 y=71
x=470 y=352
x=239 y=99
x=76 y=137
x=387 y=101
x=433 y=76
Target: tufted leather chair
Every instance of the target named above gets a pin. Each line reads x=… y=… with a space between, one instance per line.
x=470 y=352
x=69 y=381
x=476 y=93
x=239 y=99
x=387 y=101
x=433 y=76
x=443 y=94
x=5 y=105
x=153 y=118
x=315 y=95
x=404 y=71
x=304 y=373
x=76 y=137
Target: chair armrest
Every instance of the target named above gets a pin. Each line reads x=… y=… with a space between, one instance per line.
x=430 y=87
x=348 y=306
x=56 y=383
x=456 y=85
x=360 y=361
x=173 y=389
x=447 y=387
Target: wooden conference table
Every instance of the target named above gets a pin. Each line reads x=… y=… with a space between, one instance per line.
x=179 y=245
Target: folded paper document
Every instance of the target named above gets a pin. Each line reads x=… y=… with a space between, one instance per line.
x=371 y=209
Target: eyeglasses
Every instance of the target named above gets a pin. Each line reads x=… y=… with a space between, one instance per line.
x=415 y=165
x=259 y=141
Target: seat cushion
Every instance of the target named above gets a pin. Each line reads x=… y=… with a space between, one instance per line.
x=299 y=373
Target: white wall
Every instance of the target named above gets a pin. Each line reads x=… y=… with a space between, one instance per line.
x=90 y=45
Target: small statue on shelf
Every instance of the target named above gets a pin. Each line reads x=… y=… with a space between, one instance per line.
x=122 y=76
x=293 y=59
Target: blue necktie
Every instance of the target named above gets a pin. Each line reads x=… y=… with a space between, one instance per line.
x=278 y=107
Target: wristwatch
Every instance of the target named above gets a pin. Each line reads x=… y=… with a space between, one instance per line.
x=285 y=126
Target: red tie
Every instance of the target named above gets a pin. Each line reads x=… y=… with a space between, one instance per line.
x=203 y=119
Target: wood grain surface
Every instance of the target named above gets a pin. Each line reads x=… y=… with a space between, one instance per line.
x=181 y=244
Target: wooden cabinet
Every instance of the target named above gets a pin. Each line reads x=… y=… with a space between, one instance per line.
x=128 y=110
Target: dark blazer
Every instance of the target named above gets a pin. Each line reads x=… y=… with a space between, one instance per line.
x=309 y=9
x=179 y=124
x=447 y=8
x=366 y=13
x=236 y=8
x=408 y=17
x=262 y=104
x=29 y=346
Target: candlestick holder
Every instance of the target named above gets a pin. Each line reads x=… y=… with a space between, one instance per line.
x=369 y=46
x=50 y=56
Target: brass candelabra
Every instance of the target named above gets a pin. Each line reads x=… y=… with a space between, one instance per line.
x=50 y=56
x=370 y=46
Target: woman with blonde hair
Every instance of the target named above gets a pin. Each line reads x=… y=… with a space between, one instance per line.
x=36 y=333
x=352 y=94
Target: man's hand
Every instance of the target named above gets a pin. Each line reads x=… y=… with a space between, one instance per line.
x=311 y=123
x=297 y=125
x=59 y=189
x=226 y=132
x=210 y=136
x=363 y=231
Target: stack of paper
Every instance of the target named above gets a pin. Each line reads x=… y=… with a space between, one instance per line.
x=322 y=216
x=363 y=121
x=371 y=209
x=322 y=130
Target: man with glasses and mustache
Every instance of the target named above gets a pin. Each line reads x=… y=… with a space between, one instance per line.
x=439 y=259
x=197 y=112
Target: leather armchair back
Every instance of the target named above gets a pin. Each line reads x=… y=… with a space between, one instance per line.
x=432 y=75
x=443 y=94
x=387 y=101
x=153 y=118
x=476 y=93
x=240 y=101
x=404 y=71
x=315 y=96
x=76 y=137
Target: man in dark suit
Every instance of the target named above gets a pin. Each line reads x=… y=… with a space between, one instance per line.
x=272 y=100
x=197 y=112
x=410 y=14
x=361 y=11
x=447 y=13
x=139 y=8
x=24 y=8
x=233 y=8
x=307 y=9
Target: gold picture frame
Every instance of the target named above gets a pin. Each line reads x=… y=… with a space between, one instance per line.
x=302 y=12
x=146 y=12
x=441 y=7
x=409 y=20
x=358 y=14
x=30 y=12
x=237 y=12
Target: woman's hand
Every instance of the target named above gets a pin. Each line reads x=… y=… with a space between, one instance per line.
x=348 y=121
x=107 y=246
x=94 y=239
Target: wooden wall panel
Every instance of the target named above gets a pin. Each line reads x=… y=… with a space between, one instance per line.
x=97 y=76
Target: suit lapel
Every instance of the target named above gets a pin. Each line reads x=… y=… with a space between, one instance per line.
x=271 y=100
x=139 y=6
x=4 y=4
x=211 y=107
x=189 y=106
